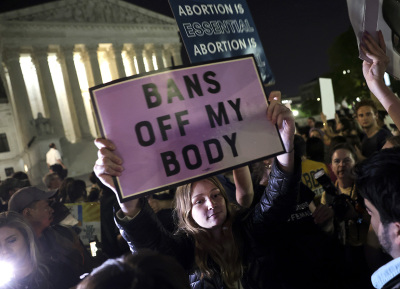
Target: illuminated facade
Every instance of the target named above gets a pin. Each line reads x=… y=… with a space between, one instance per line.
x=51 y=54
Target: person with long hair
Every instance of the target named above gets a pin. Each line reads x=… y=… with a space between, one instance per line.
x=19 y=251
x=222 y=247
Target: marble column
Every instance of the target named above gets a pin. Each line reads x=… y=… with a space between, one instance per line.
x=168 y=57
x=41 y=55
x=129 y=55
x=79 y=106
x=11 y=57
x=118 y=59
x=148 y=53
x=94 y=63
x=158 y=50
x=139 y=48
x=176 y=54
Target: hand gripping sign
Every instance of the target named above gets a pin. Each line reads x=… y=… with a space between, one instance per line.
x=172 y=127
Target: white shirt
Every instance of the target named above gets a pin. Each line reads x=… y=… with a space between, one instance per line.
x=52 y=156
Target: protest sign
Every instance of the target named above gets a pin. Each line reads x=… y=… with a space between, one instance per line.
x=171 y=127
x=213 y=30
x=88 y=216
x=375 y=15
x=327 y=97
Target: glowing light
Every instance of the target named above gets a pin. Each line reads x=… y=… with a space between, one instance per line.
x=358 y=99
x=348 y=71
x=318 y=99
x=344 y=71
x=7 y=272
x=26 y=168
x=387 y=79
x=295 y=112
x=93 y=249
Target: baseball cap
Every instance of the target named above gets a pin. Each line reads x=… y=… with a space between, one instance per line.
x=25 y=196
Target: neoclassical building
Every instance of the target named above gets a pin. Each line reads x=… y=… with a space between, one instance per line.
x=51 y=54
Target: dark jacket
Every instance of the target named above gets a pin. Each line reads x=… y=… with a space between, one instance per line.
x=249 y=227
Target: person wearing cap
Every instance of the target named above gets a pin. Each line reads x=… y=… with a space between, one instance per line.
x=57 y=243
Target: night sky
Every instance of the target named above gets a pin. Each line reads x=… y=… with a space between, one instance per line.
x=296 y=35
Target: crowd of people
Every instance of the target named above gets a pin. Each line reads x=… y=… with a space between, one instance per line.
x=324 y=214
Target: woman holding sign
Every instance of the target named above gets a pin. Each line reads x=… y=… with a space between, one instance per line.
x=221 y=246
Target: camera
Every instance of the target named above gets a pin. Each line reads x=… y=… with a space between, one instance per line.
x=339 y=202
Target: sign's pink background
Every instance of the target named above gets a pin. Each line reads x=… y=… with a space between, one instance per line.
x=122 y=105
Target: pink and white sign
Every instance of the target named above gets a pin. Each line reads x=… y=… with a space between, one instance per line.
x=175 y=126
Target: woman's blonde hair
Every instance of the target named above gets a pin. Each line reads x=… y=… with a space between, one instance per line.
x=226 y=253
x=16 y=221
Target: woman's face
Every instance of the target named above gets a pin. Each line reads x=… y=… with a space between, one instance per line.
x=13 y=247
x=342 y=163
x=208 y=205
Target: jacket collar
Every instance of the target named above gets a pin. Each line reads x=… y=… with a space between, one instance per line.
x=386 y=273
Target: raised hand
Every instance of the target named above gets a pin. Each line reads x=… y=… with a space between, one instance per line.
x=377 y=53
x=282 y=116
x=108 y=164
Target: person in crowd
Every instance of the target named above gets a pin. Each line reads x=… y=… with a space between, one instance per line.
x=374 y=137
x=310 y=122
x=7 y=188
x=213 y=240
x=54 y=161
x=381 y=119
x=316 y=132
x=315 y=149
x=145 y=269
x=94 y=194
x=76 y=191
x=162 y=204
x=56 y=243
x=335 y=141
x=73 y=191
x=52 y=181
x=392 y=141
x=19 y=255
x=22 y=259
x=22 y=176
x=347 y=127
x=374 y=71
x=62 y=194
x=303 y=241
x=350 y=215
x=310 y=151
x=378 y=183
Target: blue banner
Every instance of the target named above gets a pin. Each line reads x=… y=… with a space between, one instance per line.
x=213 y=30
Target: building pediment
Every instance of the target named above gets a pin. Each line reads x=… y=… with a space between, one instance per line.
x=87 y=11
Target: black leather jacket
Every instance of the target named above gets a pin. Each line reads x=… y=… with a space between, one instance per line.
x=250 y=229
